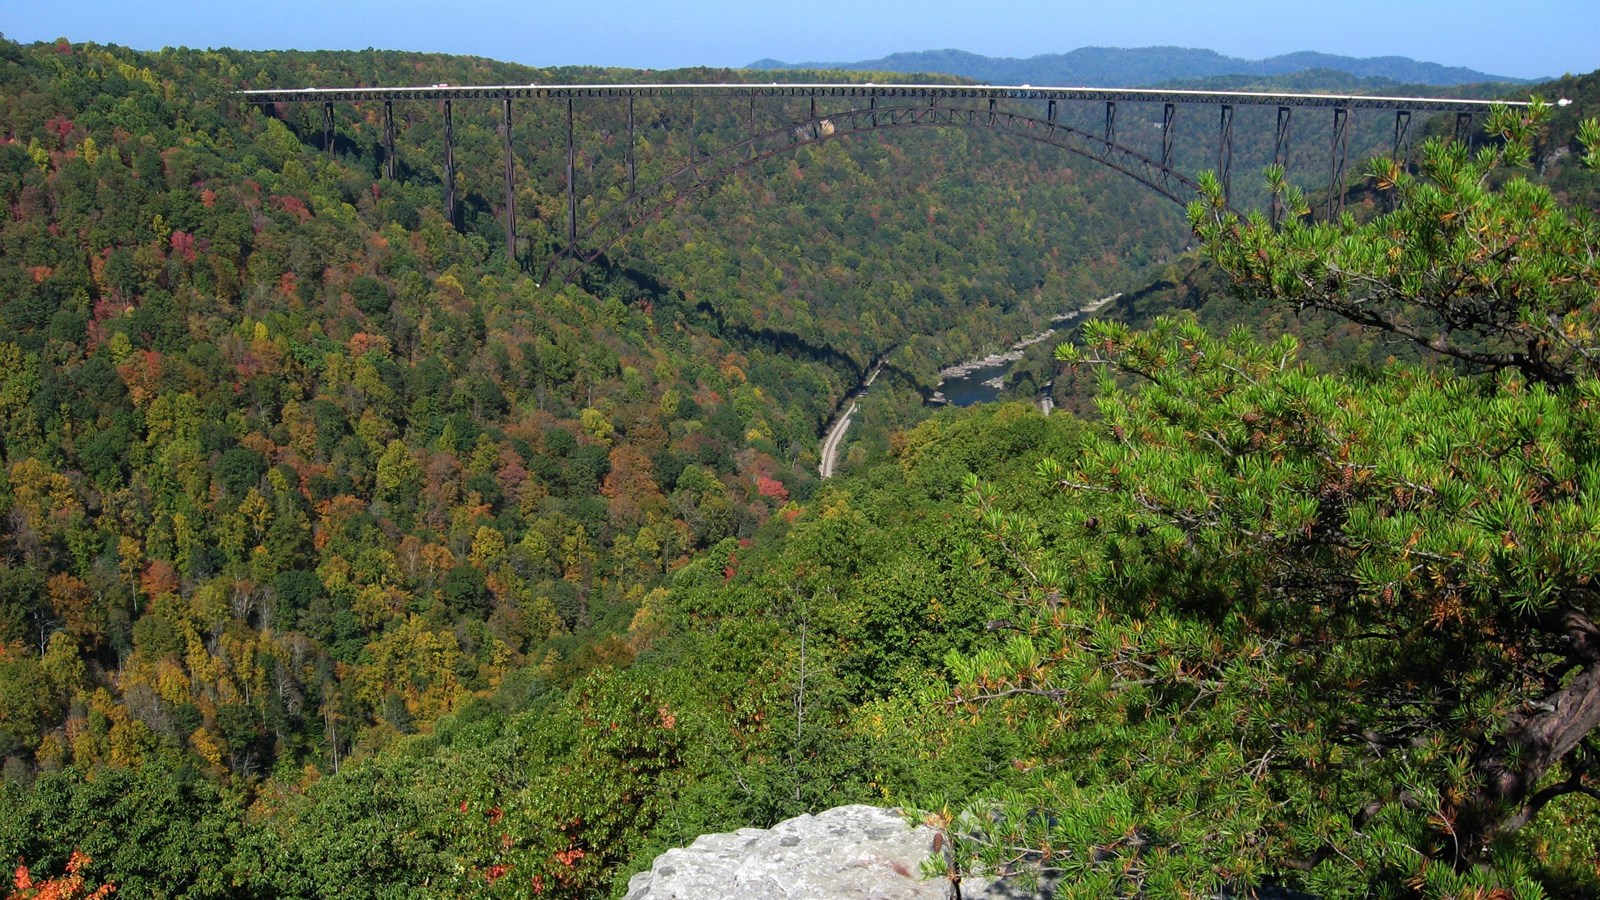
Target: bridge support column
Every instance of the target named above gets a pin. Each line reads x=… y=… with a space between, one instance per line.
x=991 y=112
x=1402 y=137
x=327 y=127
x=511 y=187
x=449 y=165
x=1050 y=114
x=1464 y=128
x=1111 y=124
x=872 y=105
x=1225 y=152
x=388 y=139
x=572 y=188
x=631 y=143
x=1167 y=112
x=694 y=171
x=1280 y=157
x=1341 y=144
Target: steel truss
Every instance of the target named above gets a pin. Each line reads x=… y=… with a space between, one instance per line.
x=694 y=178
x=873 y=107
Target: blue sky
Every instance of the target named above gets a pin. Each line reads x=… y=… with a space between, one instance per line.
x=1522 y=38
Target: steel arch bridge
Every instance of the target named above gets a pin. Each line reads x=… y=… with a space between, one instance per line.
x=868 y=107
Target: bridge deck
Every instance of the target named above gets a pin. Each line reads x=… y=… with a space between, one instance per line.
x=917 y=91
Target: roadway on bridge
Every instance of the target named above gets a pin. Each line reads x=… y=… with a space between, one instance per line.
x=886 y=90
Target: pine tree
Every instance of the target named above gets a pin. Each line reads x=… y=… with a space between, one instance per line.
x=1337 y=631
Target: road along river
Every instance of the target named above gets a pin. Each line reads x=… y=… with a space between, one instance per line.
x=835 y=438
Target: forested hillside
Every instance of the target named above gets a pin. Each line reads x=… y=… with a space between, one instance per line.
x=293 y=468
x=340 y=556
x=1145 y=66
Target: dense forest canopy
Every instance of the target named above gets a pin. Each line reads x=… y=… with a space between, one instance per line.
x=294 y=468
x=341 y=557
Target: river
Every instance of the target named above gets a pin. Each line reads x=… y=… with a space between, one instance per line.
x=980 y=385
x=975 y=381
x=982 y=380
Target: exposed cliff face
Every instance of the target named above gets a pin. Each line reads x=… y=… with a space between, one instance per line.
x=849 y=852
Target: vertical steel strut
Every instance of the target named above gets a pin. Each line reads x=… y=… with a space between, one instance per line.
x=572 y=189
x=449 y=166
x=1280 y=147
x=511 y=189
x=1166 y=140
x=1341 y=143
x=388 y=139
x=1402 y=161
x=1111 y=124
x=1402 y=136
x=1225 y=152
x=1050 y=114
x=692 y=169
x=631 y=142
x=327 y=127
x=1464 y=128
x=1280 y=157
x=751 y=151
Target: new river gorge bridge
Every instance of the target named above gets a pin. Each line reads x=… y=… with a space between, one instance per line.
x=779 y=118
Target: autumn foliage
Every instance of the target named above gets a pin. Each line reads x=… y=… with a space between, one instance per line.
x=319 y=516
x=71 y=886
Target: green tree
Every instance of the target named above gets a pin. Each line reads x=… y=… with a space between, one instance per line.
x=155 y=831
x=399 y=475
x=1336 y=631
x=26 y=700
x=1492 y=272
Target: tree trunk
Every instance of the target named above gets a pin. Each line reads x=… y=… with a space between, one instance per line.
x=1537 y=737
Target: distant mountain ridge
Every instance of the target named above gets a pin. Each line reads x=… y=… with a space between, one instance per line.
x=1146 y=66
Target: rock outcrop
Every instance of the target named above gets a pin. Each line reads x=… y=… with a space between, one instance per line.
x=848 y=853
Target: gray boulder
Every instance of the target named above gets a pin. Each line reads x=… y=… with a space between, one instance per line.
x=848 y=853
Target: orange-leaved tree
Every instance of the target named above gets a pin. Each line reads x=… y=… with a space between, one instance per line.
x=70 y=886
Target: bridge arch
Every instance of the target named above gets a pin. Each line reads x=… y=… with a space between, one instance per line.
x=650 y=202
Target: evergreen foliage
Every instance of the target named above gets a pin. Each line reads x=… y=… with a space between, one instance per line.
x=1336 y=631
